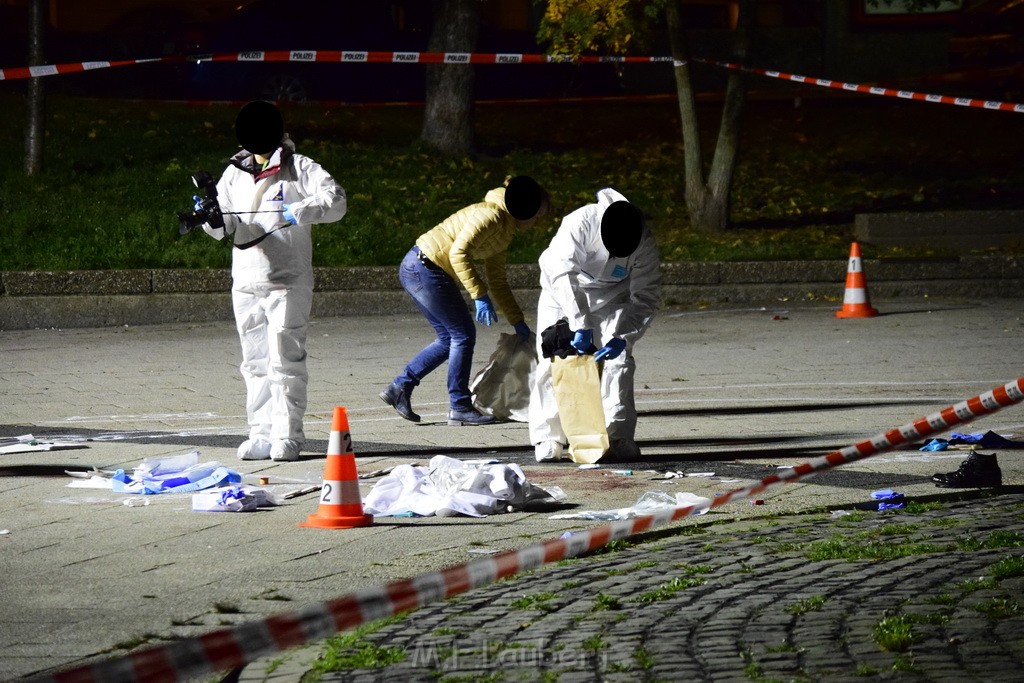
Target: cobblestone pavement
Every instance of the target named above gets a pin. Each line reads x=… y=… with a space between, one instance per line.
x=792 y=598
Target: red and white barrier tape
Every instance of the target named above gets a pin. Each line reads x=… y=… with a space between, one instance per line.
x=231 y=648
x=357 y=57
x=397 y=57
x=19 y=72
x=329 y=56
x=873 y=90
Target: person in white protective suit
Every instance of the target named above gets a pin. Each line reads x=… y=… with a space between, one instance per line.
x=602 y=273
x=271 y=197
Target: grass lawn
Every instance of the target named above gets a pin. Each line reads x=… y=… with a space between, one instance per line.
x=117 y=171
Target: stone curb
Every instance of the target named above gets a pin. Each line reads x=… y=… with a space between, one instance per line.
x=45 y=299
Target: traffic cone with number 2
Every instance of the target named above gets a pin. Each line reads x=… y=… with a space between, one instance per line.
x=340 y=504
x=855 y=299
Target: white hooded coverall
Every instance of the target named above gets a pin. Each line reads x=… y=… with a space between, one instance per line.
x=272 y=280
x=613 y=297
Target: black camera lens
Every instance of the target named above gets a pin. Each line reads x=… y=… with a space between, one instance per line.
x=207 y=211
x=203 y=180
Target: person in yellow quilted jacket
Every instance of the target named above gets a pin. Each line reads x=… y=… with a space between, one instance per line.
x=436 y=270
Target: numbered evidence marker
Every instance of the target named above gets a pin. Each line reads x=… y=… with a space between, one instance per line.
x=340 y=504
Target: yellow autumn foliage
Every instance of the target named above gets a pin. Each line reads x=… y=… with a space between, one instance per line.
x=573 y=27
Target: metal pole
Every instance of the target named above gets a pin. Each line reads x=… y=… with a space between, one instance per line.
x=35 y=130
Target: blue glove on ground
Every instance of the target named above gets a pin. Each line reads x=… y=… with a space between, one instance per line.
x=582 y=340
x=523 y=330
x=199 y=202
x=611 y=350
x=288 y=215
x=485 y=311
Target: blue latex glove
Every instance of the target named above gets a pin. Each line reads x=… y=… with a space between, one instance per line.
x=288 y=215
x=612 y=349
x=199 y=202
x=523 y=330
x=485 y=311
x=582 y=340
x=966 y=438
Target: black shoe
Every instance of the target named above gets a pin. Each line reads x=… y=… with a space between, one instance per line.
x=458 y=417
x=624 y=450
x=401 y=400
x=979 y=470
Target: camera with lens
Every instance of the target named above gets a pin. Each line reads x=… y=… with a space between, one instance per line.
x=207 y=208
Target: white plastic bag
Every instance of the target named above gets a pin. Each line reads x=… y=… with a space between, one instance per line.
x=649 y=503
x=502 y=387
x=448 y=487
x=232 y=499
x=173 y=474
x=228 y=499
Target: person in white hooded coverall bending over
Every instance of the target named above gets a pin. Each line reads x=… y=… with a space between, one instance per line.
x=278 y=195
x=602 y=273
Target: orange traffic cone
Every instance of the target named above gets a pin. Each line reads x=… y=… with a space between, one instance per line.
x=855 y=300
x=340 y=504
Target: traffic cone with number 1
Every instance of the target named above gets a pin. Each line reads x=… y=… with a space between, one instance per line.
x=340 y=504
x=855 y=300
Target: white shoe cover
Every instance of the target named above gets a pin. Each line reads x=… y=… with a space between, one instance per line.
x=548 y=451
x=285 y=450
x=254 y=449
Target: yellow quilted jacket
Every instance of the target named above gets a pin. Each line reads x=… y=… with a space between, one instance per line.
x=480 y=232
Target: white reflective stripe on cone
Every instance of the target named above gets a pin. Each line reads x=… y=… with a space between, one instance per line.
x=331 y=493
x=855 y=296
x=339 y=443
x=349 y=492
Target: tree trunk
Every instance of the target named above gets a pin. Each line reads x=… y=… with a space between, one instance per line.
x=707 y=198
x=448 y=117
x=723 y=165
x=693 y=160
x=35 y=129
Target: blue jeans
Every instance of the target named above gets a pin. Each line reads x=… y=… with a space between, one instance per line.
x=439 y=297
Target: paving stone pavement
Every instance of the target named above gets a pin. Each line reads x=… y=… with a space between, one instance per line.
x=785 y=598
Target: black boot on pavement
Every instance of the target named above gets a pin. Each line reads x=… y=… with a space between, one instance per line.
x=400 y=398
x=458 y=417
x=979 y=470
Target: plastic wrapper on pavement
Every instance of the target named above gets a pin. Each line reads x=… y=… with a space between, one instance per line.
x=648 y=503
x=448 y=487
x=173 y=474
x=232 y=499
x=27 y=443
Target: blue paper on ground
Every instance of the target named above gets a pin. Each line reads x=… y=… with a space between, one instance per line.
x=173 y=474
x=887 y=499
x=987 y=440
